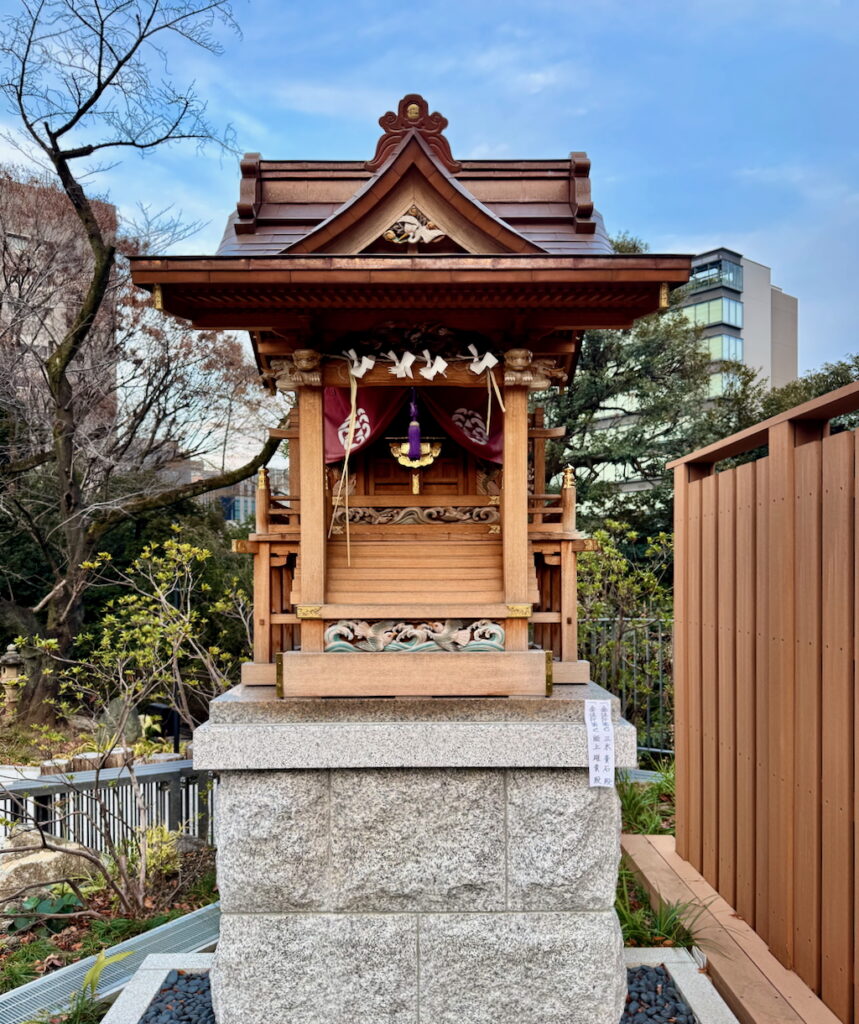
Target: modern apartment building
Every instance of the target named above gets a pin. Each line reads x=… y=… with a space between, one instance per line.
x=744 y=317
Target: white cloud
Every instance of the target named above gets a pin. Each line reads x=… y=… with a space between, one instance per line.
x=335 y=101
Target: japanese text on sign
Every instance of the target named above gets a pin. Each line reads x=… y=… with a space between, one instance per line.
x=600 y=742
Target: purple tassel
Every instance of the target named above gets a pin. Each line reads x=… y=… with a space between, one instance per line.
x=414 y=429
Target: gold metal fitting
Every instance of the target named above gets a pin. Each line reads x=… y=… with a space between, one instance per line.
x=663 y=297
x=308 y=611
x=519 y=611
x=569 y=478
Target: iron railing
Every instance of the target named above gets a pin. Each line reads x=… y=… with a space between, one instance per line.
x=632 y=659
x=85 y=806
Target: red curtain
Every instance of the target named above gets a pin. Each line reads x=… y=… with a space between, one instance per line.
x=460 y=412
x=375 y=408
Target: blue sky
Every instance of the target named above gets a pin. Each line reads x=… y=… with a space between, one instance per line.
x=725 y=122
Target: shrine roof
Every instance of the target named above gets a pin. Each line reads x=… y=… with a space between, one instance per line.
x=531 y=196
x=316 y=247
x=546 y=204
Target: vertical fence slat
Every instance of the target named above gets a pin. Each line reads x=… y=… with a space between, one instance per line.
x=745 y=610
x=855 y=517
x=693 y=660
x=837 y=726
x=780 y=823
x=727 y=711
x=762 y=677
x=710 y=678
x=808 y=714
x=681 y=669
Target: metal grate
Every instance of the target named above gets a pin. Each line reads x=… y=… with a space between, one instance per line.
x=194 y=933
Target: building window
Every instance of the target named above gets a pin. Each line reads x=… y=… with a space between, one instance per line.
x=720 y=382
x=716 y=311
x=724 y=346
x=716 y=274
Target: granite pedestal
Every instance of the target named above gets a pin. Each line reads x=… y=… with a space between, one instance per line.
x=414 y=861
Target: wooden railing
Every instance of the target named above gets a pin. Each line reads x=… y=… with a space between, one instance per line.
x=766 y=682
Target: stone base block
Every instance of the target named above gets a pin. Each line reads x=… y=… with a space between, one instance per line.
x=420 y=840
x=414 y=862
x=551 y=968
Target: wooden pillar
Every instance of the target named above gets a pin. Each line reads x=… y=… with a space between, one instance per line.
x=539 y=451
x=262 y=574
x=514 y=513
x=569 y=601
x=294 y=454
x=313 y=521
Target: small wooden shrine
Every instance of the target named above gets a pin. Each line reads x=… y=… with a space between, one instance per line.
x=415 y=304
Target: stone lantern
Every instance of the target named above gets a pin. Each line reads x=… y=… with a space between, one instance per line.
x=11 y=670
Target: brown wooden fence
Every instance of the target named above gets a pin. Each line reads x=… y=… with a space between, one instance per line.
x=765 y=680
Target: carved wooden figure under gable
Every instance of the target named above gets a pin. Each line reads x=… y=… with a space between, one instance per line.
x=522 y=370
x=302 y=369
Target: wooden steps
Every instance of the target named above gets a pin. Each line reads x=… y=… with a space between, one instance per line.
x=757 y=988
x=394 y=572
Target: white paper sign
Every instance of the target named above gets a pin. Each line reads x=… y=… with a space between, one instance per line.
x=600 y=742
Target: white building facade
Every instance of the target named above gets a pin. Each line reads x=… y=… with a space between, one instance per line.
x=744 y=317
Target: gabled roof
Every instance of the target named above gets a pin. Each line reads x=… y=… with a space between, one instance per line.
x=484 y=206
x=512 y=249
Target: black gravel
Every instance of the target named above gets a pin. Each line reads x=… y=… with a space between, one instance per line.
x=653 y=999
x=184 y=997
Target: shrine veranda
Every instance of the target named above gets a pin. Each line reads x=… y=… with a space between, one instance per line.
x=440 y=856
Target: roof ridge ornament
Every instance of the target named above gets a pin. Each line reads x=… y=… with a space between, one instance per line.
x=413 y=117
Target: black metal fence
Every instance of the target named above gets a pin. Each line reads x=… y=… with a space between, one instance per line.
x=632 y=658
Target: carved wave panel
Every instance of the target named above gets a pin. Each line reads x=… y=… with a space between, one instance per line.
x=412 y=514
x=393 y=636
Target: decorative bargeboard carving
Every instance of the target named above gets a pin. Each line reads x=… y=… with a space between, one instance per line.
x=389 y=635
x=413 y=514
x=413 y=227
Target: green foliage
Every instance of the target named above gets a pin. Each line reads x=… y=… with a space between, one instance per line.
x=38 y=914
x=670 y=924
x=159 y=847
x=657 y=370
x=813 y=384
x=161 y=636
x=113 y=930
x=20 y=966
x=205 y=889
x=647 y=808
x=85 y=1007
x=624 y=628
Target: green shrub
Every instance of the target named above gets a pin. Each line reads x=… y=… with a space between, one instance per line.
x=671 y=924
x=20 y=966
x=37 y=914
